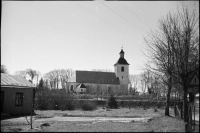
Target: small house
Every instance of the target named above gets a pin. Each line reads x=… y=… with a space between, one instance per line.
x=17 y=95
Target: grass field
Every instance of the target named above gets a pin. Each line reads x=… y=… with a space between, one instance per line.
x=159 y=123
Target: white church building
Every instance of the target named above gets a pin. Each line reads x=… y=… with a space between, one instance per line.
x=93 y=82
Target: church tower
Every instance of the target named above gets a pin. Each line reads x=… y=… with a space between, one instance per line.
x=122 y=72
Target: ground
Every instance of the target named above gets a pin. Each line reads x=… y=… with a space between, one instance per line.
x=158 y=123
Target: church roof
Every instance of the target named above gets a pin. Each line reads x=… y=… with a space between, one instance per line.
x=122 y=61
x=96 y=77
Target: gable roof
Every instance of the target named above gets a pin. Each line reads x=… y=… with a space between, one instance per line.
x=81 y=86
x=96 y=77
x=14 y=81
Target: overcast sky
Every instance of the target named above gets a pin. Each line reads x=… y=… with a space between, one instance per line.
x=48 y=35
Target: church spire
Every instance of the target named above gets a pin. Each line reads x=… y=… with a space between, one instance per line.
x=122 y=52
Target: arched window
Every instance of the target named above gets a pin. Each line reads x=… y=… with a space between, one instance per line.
x=122 y=69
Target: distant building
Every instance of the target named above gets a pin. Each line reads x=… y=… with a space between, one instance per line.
x=17 y=95
x=102 y=82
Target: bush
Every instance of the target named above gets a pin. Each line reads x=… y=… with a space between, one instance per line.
x=112 y=102
x=70 y=105
x=88 y=105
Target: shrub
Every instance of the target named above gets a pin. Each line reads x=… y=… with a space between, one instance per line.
x=88 y=105
x=70 y=105
x=112 y=102
x=84 y=96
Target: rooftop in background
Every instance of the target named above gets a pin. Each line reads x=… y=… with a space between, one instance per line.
x=96 y=77
x=14 y=81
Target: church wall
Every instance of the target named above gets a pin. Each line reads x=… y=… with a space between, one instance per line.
x=124 y=80
x=105 y=88
x=124 y=89
x=96 y=88
x=124 y=74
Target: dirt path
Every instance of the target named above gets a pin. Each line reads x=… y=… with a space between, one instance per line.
x=83 y=119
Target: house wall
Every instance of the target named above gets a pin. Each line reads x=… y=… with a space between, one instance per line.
x=79 y=90
x=9 y=100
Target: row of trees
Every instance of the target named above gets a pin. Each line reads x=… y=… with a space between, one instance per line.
x=29 y=74
x=173 y=51
x=148 y=83
x=54 y=79
x=58 y=78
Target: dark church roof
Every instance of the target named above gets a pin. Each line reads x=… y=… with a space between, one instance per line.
x=122 y=61
x=96 y=77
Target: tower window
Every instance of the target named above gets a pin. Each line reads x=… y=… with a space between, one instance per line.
x=122 y=69
x=122 y=77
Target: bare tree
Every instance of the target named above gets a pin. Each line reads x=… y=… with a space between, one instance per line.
x=21 y=73
x=185 y=26
x=31 y=73
x=171 y=47
x=58 y=77
x=133 y=81
x=38 y=74
x=145 y=80
x=4 y=69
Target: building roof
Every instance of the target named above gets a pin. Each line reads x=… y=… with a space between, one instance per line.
x=81 y=86
x=122 y=61
x=14 y=81
x=96 y=77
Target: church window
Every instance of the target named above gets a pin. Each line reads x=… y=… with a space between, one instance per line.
x=122 y=77
x=122 y=69
x=71 y=87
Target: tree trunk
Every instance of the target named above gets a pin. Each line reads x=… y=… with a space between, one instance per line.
x=168 y=97
x=185 y=103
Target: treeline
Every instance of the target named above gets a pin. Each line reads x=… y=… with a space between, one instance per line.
x=54 y=79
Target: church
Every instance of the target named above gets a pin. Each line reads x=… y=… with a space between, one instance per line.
x=93 y=82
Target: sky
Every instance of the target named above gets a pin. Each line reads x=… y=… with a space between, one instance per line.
x=81 y=35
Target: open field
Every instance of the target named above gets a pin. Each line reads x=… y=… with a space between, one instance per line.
x=159 y=123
